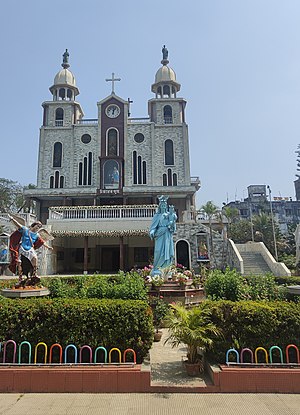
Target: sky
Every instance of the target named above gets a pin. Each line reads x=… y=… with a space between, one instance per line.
x=238 y=63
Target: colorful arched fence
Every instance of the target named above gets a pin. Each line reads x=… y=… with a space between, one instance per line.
x=268 y=357
x=100 y=355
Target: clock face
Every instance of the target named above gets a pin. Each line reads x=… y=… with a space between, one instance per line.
x=112 y=111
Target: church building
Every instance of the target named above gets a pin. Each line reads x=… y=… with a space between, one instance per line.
x=98 y=180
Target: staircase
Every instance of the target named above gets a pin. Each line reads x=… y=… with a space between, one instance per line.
x=254 y=264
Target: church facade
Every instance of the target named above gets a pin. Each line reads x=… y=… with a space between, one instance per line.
x=99 y=179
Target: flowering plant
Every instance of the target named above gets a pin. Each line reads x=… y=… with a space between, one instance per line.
x=181 y=278
x=157 y=280
x=188 y=273
x=146 y=271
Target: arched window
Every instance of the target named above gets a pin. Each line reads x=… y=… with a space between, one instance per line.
x=62 y=93
x=164 y=179
x=174 y=179
x=70 y=94
x=85 y=169
x=56 y=179
x=169 y=153
x=168 y=117
x=51 y=182
x=59 y=117
x=112 y=142
x=166 y=91
x=57 y=154
x=169 y=177
x=139 y=169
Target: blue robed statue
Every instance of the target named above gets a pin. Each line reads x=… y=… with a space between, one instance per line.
x=161 y=231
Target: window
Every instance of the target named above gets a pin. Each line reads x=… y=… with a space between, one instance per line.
x=166 y=91
x=169 y=153
x=112 y=142
x=59 y=117
x=57 y=181
x=168 y=114
x=86 y=138
x=139 y=169
x=85 y=170
x=139 y=138
x=57 y=154
x=169 y=179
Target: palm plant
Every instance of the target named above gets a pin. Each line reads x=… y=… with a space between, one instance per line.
x=192 y=327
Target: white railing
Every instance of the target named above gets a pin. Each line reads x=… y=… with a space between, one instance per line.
x=139 y=120
x=59 y=123
x=101 y=212
x=90 y=121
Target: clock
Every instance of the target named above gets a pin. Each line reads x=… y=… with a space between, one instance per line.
x=112 y=111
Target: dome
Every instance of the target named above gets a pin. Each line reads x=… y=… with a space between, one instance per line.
x=165 y=74
x=65 y=77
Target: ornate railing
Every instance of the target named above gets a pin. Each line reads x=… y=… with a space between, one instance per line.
x=101 y=212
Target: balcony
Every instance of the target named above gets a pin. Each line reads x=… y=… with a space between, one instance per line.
x=94 y=219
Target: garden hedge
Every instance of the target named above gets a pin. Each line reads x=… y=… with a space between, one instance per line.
x=109 y=323
x=254 y=324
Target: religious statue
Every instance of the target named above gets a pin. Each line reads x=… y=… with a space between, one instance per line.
x=161 y=231
x=115 y=176
x=23 y=244
x=66 y=56
x=165 y=52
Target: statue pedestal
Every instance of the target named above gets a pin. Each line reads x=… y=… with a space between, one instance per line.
x=24 y=292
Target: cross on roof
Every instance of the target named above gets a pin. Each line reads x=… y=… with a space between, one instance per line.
x=113 y=80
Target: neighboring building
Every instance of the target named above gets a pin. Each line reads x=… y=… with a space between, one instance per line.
x=285 y=210
x=98 y=179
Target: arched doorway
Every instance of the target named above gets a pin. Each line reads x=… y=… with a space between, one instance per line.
x=183 y=253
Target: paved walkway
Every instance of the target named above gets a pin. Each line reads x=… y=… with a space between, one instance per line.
x=149 y=404
x=167 y=366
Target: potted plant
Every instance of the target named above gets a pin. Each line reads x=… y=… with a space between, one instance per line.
x=160 y=309
x=192 y=327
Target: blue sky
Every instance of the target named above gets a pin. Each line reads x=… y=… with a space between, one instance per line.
x=238 y=62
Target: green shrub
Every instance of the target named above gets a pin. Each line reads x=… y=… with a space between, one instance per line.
x=122 y=286
x=226 y=285
x=93 y=322
x=230 y=285
x=253 y=324
x=263 y=287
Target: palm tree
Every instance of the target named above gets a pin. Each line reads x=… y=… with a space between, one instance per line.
x=211 y=210
x=230 y=214
x=192 y=327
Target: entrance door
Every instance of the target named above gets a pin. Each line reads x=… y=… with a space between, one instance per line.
x=110 y=259
x=183 y=253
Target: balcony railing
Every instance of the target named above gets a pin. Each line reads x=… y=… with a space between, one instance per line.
x=139 y=120
x=88 y=121
x=59 y=123
x=101 y=212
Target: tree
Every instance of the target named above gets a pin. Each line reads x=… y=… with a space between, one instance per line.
x=211 y=210
x=240 y=232
x=12 y=196
x=230 y=213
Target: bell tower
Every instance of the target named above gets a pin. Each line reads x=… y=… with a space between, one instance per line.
x=63 y=111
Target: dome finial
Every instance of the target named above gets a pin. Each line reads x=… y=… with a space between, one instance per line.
x=165 y=55
x=65 y=63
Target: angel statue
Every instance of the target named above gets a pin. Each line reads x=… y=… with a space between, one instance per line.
x=23 y=245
